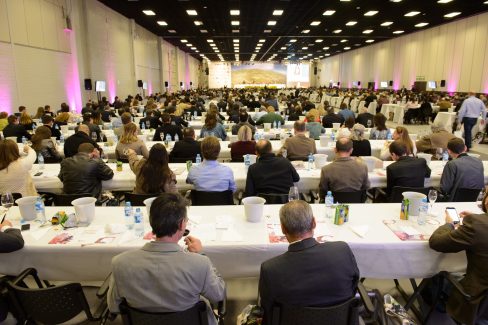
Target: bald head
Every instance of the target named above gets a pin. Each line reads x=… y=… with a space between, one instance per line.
x=299 y=126
x=344 y=146
x=84 y=128
x=263 y=146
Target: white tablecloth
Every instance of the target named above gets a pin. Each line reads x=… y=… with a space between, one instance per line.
x=446 y=119
x=239 y=250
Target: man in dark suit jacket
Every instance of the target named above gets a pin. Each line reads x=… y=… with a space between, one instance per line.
x=472 y=237
x=310 y=273
x=405 y=171
x=48 y=121
x=88 y=121
x=14 y=129
x=73 y=142
x=330 y=118
x=167 y=128
x=187 y=148
x=270 y=174
x=364 y=117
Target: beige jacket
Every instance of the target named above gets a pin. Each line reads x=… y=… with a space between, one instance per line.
x=16 y=177
x=299 y=147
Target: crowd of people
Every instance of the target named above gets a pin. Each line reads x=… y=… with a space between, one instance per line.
x=136 y=275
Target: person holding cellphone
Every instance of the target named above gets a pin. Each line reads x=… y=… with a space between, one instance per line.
x=470 y=235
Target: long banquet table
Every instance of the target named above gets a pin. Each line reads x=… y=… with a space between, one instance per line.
x=236 y=247
x=309 y=179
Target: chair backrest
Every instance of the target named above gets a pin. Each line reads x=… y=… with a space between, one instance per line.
x=397 y=191
x=466 y=195
x=65 y=199
x=212 y=198
x=197 y=315
x=138 y=199
x=274 y=198
x=181 y=160
x=16 y=196
x=349 y=197
x=345 y=313
x=52 y=305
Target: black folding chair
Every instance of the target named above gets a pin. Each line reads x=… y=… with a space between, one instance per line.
x=274 y=198
x=466 y=195
x=396 y=195
x=349 y=197
x=66 y=199
x=138 y=199
x=16 y=196
x=212 y=198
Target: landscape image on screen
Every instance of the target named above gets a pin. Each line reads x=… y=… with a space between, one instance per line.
x=258 y=73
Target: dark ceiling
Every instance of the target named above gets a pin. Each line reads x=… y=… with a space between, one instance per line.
x=297 y=16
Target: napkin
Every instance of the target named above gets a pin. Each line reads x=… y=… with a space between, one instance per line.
x=223 y=222
x=115 y=228
x=410 y=231
x=231 y=235
x=361 y=230
x=322 y=230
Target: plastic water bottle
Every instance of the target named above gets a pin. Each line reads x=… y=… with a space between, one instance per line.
x=40 y=161
x=177 y=138
x=61 y=138
x=128 y=215
x=445 y=158
x=143 y=126
x=40 y=210
x=138 y=223
x=423 y=211
x=198 y=159
x=56 y=127
x=247 y=161
x=275 y=124
x=256 y=136
x=310 y=162
x=388 y=136
x=329 y=203
x=195 y=114
x=284 y=153
x=278 y=125
x=167 y=139
x=332 y=136
x=24 y=140
x=34 y=126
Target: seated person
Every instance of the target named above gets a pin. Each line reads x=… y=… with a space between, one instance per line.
x=44 y=146
x=167 y=128
x=94 y=129
x=360 y=145
x=15 y=171
x=73 y=142
x=270 y=174
x=84 y=172
x=406 y=171
x=299 y=146
x=379 y=131
x=244 y=119
x=10 y=238
x=210 y=175
x=129 y=140
x=331 y=117
x=125 y=118
x=48 y=121
x=153 y=175
x=345 y=112
x=14 y=129
x=213 y=128
x=162 y=276
x=400 y=133
x=270 y=117
x=315 y=274
x=438 y=139
x=314 y=128
x=365 y=118
x=470 y=236
x=345 y=173
x=244 y=145
x=187 y=148
x=463 y=171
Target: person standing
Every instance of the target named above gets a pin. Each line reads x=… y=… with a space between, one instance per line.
x=470 y=110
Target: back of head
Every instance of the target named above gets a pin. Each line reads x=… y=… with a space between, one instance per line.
x=210 y=120
x=9 y=152
x=270 y=109
x=84 y=128
x=87 y=117
x=297 y=218
x=244 y=133
x=344 y=145
x=243 y=117
x=398 y=147
x=210 y=148
x=456 y=145
x=12 y=119
x=86 y=148
x=263 y=147
x=47 y=119
x=42 y=132
x=349 y=123
x=167 y=213
x=299 y=126
x=126 y=118
x=358 y=131
x=188 y=132
x=380 y=121
x=130 y=133
x=166 y=118
x=3 y=115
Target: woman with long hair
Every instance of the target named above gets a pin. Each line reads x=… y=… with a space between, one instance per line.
x=39 y=113
x=379 y=131
x=62 y=118
x=212 y=127
x=153 y=175
x=26 y=121
x=129 y=140
x=400 y=133
x=97 y=118
x=44 y=145
x=15 y=171
x=244 y=145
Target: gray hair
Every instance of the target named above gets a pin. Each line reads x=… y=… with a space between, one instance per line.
x=296 y=217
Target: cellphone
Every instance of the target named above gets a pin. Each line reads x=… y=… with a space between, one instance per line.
x=186 y=233
x=453 y=214
x=25 y=226
x=38 y=174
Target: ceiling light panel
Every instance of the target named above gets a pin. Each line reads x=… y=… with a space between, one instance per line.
x=328 y=12
x=191 y=12
x=371 y=13
x=351 y=23
x=277 y=12
x=149 y=12
x=412 y=13
x=235 y=12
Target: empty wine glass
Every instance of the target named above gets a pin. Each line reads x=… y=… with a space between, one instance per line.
x=368 y=123
x=7 y=201
x=94 y=136
x=293 y=194
x=432 y=198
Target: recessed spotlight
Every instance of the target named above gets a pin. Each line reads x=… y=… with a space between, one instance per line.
x=191 y=12
x=149 y=12
x=444 y=1
x=315 y=23
x=235 y=12
x=293 y=40
x=319 y=40
x=184 y=41
x=367 y=31
x=234 y=23
x=305 y=31
x=370 y=41
x=193 y=48
x=328 y=12
x=395 y=0
x=189 y=45
x=398 y=32
x=235 y=31
x=277 y=12
x=337 y=31
x=452 y=14
x=387 y=23
x=327 y=54
x=351 y=23
x=271 y=22
x=198 y=23
x=371 y=13
x=412 y=13
x=162 y=23
x=421 y=24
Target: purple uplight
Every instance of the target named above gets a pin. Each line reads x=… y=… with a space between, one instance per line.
x=72 y=77
x=149 y=88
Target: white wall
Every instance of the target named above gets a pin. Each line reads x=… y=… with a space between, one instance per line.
x=456 y=52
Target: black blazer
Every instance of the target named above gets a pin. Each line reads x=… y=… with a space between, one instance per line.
x=328 y=119
x=361 y=148
x=11 y=240
x=406 y=171
x=167 y=129
x=308 y=274
x=16 y=130
x=54 y=132
x=186 y=149
x=73 y=142
x=271 y=175
x=363 y=119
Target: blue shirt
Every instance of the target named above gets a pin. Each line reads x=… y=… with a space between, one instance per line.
x=472 y=107
x=211 y=176
x=218 y=131
x=116 y=122
x=346 y=113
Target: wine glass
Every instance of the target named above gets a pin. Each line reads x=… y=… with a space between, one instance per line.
x=432 y=198
x=94 y=136
x=7 y=201
x=293 y=194
x=479 y=200
x=368 y=123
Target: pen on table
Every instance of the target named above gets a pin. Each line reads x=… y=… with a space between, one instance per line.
x=3 y=219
